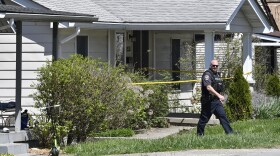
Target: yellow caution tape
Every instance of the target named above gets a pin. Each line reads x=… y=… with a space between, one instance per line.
x=174 y=82
x=174 y=71
x=167 y=82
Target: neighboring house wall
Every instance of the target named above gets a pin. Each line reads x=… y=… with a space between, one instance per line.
x=274 y=6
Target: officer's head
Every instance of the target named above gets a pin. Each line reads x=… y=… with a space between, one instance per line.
x=214 y=66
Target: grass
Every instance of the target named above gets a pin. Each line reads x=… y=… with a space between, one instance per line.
x=253 y=134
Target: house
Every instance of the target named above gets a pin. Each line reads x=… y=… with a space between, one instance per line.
x=11 y=33
x=141 y=34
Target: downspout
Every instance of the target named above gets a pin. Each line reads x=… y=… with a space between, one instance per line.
x=11 y=23
x=76 y=33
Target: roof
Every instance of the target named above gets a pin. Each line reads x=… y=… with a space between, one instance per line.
x=133 y=11
x=30 y=14
x=217 y=15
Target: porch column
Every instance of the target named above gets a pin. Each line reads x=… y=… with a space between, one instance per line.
x=209 y=48
x=55 y=41
x=18 y=74
x=247 y=57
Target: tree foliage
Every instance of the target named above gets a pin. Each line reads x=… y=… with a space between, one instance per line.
x=239 y=105
x=272 y=87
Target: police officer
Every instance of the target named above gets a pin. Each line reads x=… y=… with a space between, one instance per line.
x=211 y=99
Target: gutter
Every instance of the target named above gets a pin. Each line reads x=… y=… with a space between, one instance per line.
x=48 y=17
x=154 y=26
x=11 y=23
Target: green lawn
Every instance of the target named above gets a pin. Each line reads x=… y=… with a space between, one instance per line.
x=253 y=134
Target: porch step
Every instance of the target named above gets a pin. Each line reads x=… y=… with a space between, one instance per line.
x=12 y=137
x=14 y=148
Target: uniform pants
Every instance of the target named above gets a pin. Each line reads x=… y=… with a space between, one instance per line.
x=213 y=107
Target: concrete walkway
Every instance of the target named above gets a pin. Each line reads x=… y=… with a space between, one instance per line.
x=157 y=133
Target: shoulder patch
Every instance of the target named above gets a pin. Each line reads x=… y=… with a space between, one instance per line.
x=206 y=77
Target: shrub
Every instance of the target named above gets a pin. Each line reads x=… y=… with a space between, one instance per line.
x=95 y=97
x=268 y=110
x=91 y=95
x=272 y=87
x=239 y=105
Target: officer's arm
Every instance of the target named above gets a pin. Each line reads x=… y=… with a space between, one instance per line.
x=214 y=92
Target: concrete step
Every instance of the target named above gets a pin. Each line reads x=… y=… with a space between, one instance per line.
x=12 y=137
x=14 y=148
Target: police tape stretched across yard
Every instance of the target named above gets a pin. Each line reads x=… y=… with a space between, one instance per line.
x=174 y=82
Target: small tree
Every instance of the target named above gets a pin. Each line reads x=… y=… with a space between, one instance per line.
x=272 y=87
x=239 y=105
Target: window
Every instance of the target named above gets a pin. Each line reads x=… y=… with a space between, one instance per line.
x=120 y=52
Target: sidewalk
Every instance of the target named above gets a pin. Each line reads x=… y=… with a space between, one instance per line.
x=163 y=132
x=214 y=152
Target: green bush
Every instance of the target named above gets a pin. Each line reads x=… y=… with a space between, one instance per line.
x=272 y=87
x=122 y=132
x=239 y=104
x=268 y=110
x=93 y=97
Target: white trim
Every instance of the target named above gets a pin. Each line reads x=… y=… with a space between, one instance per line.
x=267 y=27
x=234 y=14
x=209 y=48
x=269 y=38
x=2 y=15
x=266 y=44
x=247 y=55
x=48 y=17
x=154 y=26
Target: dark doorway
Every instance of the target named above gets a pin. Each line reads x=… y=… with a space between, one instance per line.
x=82 y=45
x=175 y=54
x=140 y=50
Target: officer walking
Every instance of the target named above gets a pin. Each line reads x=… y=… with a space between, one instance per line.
x=211 y=99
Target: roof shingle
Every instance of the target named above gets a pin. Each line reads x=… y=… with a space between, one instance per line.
x=154 y=11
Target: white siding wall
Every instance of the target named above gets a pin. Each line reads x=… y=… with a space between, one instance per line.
x=98 y=43
x=36 y=50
